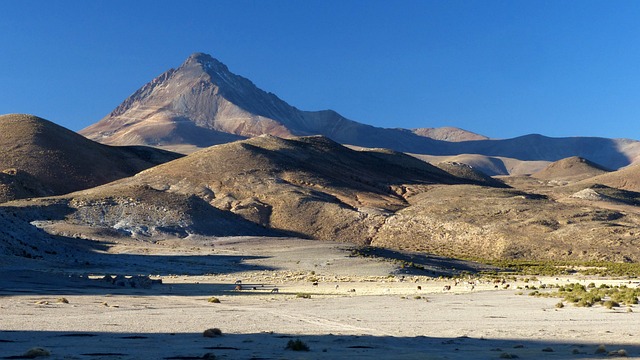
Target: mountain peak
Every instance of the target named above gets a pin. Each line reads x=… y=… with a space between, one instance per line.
x=207 y=61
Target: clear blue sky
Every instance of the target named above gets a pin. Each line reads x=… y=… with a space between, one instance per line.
x=499 y=68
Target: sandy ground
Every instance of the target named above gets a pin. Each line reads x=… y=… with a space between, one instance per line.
x=360 y=308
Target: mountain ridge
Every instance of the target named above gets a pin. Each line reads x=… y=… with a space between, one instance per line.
x=202 y=103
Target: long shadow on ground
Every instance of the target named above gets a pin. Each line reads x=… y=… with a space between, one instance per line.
x=88 y=278
x=415 y=263
x=167 y=345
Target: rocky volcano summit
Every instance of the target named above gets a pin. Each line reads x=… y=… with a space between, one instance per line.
x=202 y=103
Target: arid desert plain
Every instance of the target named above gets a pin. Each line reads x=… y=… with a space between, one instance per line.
x=337 y=302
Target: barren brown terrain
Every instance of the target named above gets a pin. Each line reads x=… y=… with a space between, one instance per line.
x=315 y=188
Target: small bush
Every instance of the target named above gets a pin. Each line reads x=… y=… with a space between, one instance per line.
x=210 y=333
x=584 y=302
x=303 y=295
x=610 y=304
x=559 y=305
x=63 y=300
x=214 y=300
x=619 y=353
x=36 y=352
x=601 y=349
x=297 y=345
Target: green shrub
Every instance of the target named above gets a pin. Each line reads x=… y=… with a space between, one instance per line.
x=610 y=304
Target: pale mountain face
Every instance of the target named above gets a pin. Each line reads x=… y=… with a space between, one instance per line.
x=201 y=92
x=449 y=134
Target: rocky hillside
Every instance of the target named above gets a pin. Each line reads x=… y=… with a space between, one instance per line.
x=202 y=103
x=309 y=186
x=570 y=169
x=315 y=188
x=464 y=220
x=40 y=158
x=627 y=178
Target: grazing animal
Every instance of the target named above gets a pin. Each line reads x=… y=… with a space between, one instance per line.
x=275 y=290
x=238 y=288
x=337 y=286
x=352 y=290
x=446 y=288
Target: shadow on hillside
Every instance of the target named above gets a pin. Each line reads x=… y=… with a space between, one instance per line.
x=268 y=345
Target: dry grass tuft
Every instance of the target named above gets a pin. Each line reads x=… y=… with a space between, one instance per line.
x=297 y=345
x=601 y=349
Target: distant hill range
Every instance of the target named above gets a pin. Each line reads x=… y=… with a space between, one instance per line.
x=202 y=103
